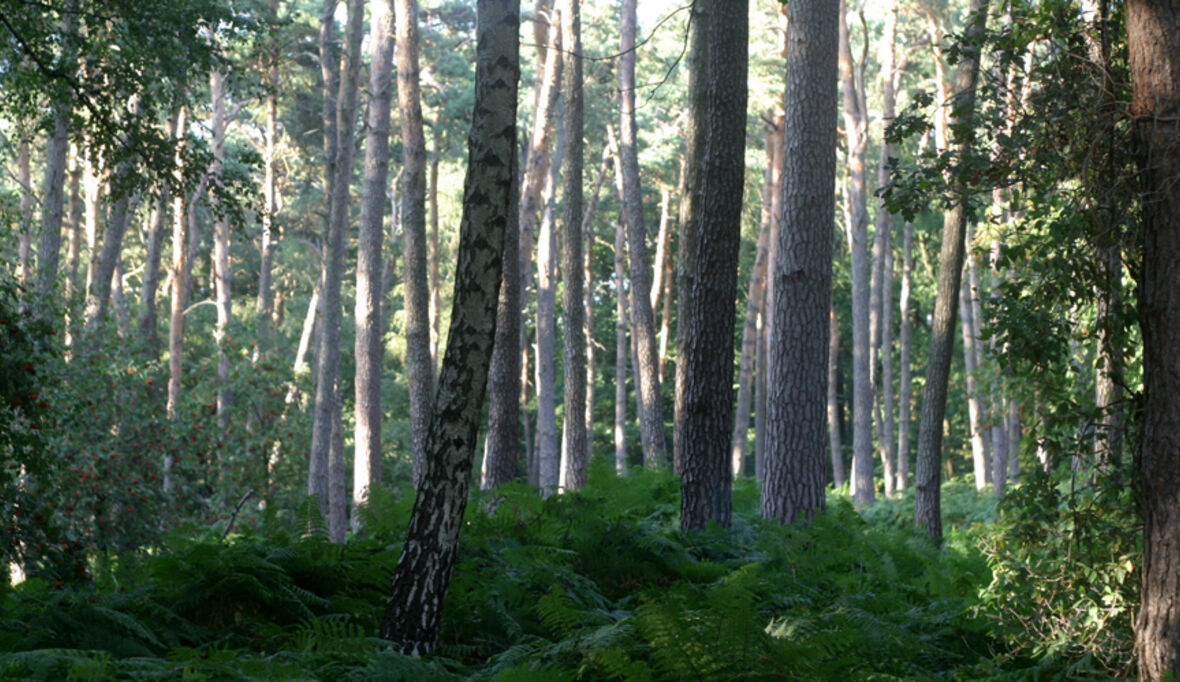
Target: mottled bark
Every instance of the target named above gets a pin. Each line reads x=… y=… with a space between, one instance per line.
x=413 y=215
x=368 y=348
x=794 y=470
x=647 y=377
x=704 y=402
x=1153 y=36
x=928 y=475
x=575 y=445
x=413 y=611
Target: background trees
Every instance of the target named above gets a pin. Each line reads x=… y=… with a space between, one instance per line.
x=230 y=127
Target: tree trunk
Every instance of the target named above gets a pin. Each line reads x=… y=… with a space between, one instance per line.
x=369 y=349
x=927 y=511
x=856 y=139
x=435 y=281
x=651 y=416
x=704 y=402
x=979 y=454
x=575 y=446
x=839 y=477
x=25 y=180
x=794 y=485
x=754 y=298
x=179 y=291
x=413 y=611
x=270 y=204
x=53 y=196
x=1153 y=36
x=418 y=357
x=221 y=272
x=621 y=346
x=548 y=450
x=904 y=349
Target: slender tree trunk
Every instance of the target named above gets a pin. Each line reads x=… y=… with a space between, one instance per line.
x=927 y=511
x=418 y=355
x=704 y=402
x=647 y=377
x=575 y=446
x=53 y=196
x=839 y=477
x=794 y=485
x=221 y=272
x=154 y=247
x=588 y=292
x=270 y=204
x=856 y=139
x=1153 y=38
x=74 y=223
x=754 y=299
x=414 y=609
x=548 y=450
x=979 y=455
x=435 y=281
x=25 y=179
x=668 y=282
x=621 y=346
x=179 y=290
x=368 y=349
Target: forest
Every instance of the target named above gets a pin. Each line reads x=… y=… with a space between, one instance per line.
x=589 y=339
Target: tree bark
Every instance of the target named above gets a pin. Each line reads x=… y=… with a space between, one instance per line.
x=575 y=446
x=927 y=512
x=53 y=196
x=904 y=349
x=621 y=346
x=369 y=349
x=1153 y=37
x=413 y=611
x=979 y=454
x=883 y=253
x=413 y=193
x=794 y=485
x=221 y=272
x=179 y=290
x=704 y=402
x=270 y=204
x=548 y=450
x=651 y=416
x=856 y=139
x=839 y=477
x=25 y=180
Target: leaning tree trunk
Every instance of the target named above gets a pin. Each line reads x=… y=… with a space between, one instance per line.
x=928 y=477
x=423 y=574
x=794 y=485
x=575 y=446
x=418 y=358
x=1153 y=36
x=704 y=403
x=647 y=377
x=856 y=139
x=370 y=266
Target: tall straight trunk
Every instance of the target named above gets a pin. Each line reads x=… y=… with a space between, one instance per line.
x=883 y=255
x=575 y=446
x=74 y=223
x=548 y=449
x=179 y=290
x=621 y=346
x=413 y=190
x=1153 y=39
x=413 y=611
x=754 y=299
x=662 y=252
x=794 y=485
x=927 y=512
x=326 y=444
x=368 y=348
x=839 y=477
x=154 y=243
x=25 y=180
x=856 y=139
x=104 y=257
x=270 y=204
x=435 y=281
x=588 y=293
x=53 y=195
x=92 y=182
x=325 y=389
x=979 y=454
x=647 y=377
x=221 y=272
x=704 y=402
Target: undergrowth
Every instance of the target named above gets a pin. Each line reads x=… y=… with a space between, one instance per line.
x=597 y=585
